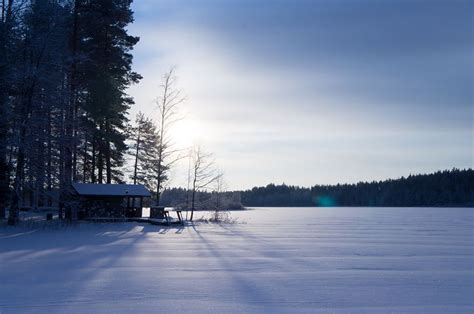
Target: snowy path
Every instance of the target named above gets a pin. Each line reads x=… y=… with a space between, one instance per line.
x=329 y=260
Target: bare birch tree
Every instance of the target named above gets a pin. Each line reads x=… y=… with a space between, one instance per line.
x=204 y=174
x=219 y=201
x=167 y=103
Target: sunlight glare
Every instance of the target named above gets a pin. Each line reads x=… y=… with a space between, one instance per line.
x=185 y=133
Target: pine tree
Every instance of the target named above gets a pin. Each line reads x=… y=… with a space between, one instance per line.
x=107 y=75
x=144 y=151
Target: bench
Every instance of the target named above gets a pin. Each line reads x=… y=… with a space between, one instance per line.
x=161 y=212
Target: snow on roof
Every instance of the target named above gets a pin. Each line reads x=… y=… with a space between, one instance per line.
x=111 y=189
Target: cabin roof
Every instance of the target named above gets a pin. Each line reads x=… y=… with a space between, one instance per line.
x=90 y=189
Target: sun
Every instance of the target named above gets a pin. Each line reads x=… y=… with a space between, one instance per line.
x=185 y=133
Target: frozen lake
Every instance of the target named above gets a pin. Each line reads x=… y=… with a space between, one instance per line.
x=289 y=260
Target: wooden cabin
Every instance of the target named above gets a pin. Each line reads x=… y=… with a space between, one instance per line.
x=109 y=200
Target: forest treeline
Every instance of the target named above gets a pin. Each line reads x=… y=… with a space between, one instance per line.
x=443 y=188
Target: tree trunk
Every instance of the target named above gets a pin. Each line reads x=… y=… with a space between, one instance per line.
x=40 y=173
x=108 y=163
x=159 y=173
x=158 y=191
x=193 y=198
x=14 y=207
x=68 y=141
x=20 y=165
x=108 y=157
x=84 y=161
x=93 y=161
x=135 y=167
x=192 y=205
x=100 y=156
x=100 y=165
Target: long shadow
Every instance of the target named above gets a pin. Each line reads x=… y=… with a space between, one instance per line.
x=114 y=258
x=248 y=289
x=45 y=239
x=80 y=257
x=267 y=245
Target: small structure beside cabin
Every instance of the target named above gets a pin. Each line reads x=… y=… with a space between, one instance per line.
x=109 y=200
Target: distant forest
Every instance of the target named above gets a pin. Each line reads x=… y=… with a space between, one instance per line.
x=443 y=188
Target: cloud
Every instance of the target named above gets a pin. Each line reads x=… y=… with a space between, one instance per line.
x=315 y=92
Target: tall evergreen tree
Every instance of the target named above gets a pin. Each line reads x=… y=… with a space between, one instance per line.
x=144 y=150
x=107 y=74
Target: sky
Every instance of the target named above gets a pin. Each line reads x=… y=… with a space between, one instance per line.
x=313 y=92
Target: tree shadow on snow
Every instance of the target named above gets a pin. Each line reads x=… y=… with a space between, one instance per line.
x=247 y=289
x=82 y=256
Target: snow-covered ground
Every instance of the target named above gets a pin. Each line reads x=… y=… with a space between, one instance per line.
x=291 y=260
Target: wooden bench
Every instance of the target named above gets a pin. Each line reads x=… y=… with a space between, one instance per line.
x=161 y=212
x=179 y=214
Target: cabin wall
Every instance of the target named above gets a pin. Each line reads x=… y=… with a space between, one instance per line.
x=107 y=207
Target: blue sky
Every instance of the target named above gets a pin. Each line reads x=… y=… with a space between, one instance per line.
x=314 y=92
